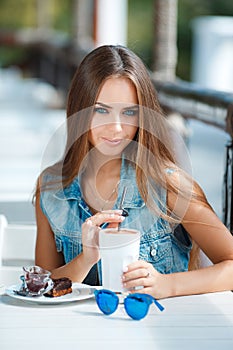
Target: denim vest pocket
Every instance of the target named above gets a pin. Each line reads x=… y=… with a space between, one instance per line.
x=157 y=250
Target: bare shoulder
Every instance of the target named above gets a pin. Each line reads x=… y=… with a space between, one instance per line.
x=184 y=195
x=188 y=201
x=183 y=191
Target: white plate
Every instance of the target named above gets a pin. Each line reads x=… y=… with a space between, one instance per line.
x=79 y=292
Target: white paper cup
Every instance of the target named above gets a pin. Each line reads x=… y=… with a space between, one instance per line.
x=117 y=250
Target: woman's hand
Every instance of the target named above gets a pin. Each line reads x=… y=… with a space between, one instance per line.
x=143 y=274
x=90 y=232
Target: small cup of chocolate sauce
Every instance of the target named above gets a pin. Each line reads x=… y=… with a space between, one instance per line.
x=37 y=280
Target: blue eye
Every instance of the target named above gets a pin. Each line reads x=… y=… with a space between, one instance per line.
x=101 y=110
x=131 y=112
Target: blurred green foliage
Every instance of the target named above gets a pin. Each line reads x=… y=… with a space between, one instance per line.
x=140 y=28
x=20 y=14
x=16 y=14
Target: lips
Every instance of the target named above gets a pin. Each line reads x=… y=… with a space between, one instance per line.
x=112 y=142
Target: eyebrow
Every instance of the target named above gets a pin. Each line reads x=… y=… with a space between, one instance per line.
x=103 y=104
x=106 y=106
x=132 y=107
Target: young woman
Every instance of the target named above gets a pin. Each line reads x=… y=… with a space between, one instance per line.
x=117 y=136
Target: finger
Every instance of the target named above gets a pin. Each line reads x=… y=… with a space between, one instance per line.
x=112 y=211
x=135 y=274
x=102 y=217
x=139 y=264
x=139 y=282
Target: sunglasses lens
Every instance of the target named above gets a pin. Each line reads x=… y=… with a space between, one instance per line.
x=136 y=306
x=107 y=301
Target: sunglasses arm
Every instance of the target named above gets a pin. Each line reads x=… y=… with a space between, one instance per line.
x=159 y=306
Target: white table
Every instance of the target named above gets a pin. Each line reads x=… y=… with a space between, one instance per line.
x=190 y=322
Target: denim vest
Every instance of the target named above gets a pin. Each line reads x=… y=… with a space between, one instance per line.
x=166 y=249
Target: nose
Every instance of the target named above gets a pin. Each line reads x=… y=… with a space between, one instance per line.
x=115 y=122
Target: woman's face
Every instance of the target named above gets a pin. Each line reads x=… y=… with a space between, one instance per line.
x=115 y=119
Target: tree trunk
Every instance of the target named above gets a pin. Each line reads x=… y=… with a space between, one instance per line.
x=165 y=36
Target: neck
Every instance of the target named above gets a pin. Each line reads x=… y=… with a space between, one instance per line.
x=100 y=165
x=100 y=182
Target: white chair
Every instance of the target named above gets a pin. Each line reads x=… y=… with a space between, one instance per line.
x=17 y=249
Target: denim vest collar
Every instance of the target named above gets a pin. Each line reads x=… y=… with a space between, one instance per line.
x=133 y=198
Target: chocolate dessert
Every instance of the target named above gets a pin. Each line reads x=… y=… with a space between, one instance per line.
x=61 y=287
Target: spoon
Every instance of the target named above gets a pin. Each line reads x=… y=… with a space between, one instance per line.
x=23 y=291
x=124 y=211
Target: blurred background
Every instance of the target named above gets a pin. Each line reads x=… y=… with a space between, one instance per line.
x=186 y=43
x=59 y=16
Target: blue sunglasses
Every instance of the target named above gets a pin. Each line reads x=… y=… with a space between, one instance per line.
x=136 y=304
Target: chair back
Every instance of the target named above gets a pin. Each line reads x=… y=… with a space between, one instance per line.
x=17 y=243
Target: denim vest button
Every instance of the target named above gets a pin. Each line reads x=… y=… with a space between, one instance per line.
x=153 y=252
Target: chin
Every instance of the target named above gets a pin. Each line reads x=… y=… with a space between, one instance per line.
x=110 y=152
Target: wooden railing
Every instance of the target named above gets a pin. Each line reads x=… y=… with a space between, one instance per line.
x=210 y=107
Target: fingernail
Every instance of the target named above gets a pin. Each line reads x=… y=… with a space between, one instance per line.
x=125 y=269
x=119 y=211
x=122 y=218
